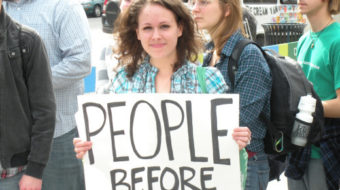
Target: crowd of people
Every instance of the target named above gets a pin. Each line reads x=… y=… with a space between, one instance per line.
x=159 y=41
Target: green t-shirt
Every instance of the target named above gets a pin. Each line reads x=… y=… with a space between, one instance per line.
x=319 y=56
x=321 y=64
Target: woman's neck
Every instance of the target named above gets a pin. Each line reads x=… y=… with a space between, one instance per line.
x=214 y=58
x=165 y=68
x=163 y=65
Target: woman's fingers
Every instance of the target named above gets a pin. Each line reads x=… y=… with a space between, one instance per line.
x=243 y=139
x=76 y=140
x=78 y=143
x=242 y=136
x=81 y=147
x=80 y=155
x=242 y=131
x=241 y=144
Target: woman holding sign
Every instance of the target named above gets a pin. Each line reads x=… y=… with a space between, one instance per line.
x=156 y=40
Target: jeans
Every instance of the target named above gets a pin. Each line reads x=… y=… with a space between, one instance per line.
x=63 y=171
x=257 y=172
x=11 y=183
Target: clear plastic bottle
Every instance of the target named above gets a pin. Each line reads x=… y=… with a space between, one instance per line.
x=303 y=120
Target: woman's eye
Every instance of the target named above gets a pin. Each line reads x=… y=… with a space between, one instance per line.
x=147 y=28
x=165 y=26
x=204 y=2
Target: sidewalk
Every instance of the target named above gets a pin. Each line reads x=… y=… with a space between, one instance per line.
x=278 y=185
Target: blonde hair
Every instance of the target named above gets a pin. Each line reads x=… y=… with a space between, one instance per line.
x=334 y=7
x=227 y=25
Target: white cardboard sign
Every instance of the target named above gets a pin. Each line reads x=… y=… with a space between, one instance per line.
x=160 y=141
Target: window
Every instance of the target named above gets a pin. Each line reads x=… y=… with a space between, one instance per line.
x=288 y=1
x=269 y=1
x=260 y=1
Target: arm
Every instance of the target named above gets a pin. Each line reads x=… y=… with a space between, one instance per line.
x=216 y=84
x=253 y=83
x=42 y=105
x=74 y=46
x=332 y=107
x=102 y=77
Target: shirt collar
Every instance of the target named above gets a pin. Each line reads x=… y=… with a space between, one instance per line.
x=227 y=49
x=183 y=70
x=230 y=44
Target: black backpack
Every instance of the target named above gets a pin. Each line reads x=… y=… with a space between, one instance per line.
x=288 y=85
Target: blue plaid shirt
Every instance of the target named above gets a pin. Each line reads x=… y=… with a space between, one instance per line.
x=184 y=80
x=253 y=82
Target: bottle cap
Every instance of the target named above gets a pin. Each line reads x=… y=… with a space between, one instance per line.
x=307 y=103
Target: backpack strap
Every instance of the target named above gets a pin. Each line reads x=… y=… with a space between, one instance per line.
x=308 y=88
x=234 y=59
x=201 y=78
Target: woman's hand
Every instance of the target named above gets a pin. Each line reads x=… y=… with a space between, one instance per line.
x=242 y=136
x=81 y=147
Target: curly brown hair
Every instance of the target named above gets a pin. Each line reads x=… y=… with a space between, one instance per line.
x=130 y=48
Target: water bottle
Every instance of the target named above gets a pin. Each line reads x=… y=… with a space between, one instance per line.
x=303 y=120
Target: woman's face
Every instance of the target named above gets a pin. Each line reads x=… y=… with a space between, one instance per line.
x=207 y=13
x=158 y=31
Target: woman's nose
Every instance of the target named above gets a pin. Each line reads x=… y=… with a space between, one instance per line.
x=155 y=34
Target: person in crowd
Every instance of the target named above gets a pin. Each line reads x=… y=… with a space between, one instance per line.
x=64 y=29
x=124 y=4
x=156 y=41
x=27 y=106
x=106 y=69
x=222 y=19
x=317 y=166
x=250 y=23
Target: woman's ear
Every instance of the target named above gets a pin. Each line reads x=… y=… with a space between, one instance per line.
x=179 y=30
x=227 y=10
x=137 y=33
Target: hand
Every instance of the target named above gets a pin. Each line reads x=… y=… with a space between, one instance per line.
x=81 y=147
x=30 y=183
x=242 y=136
